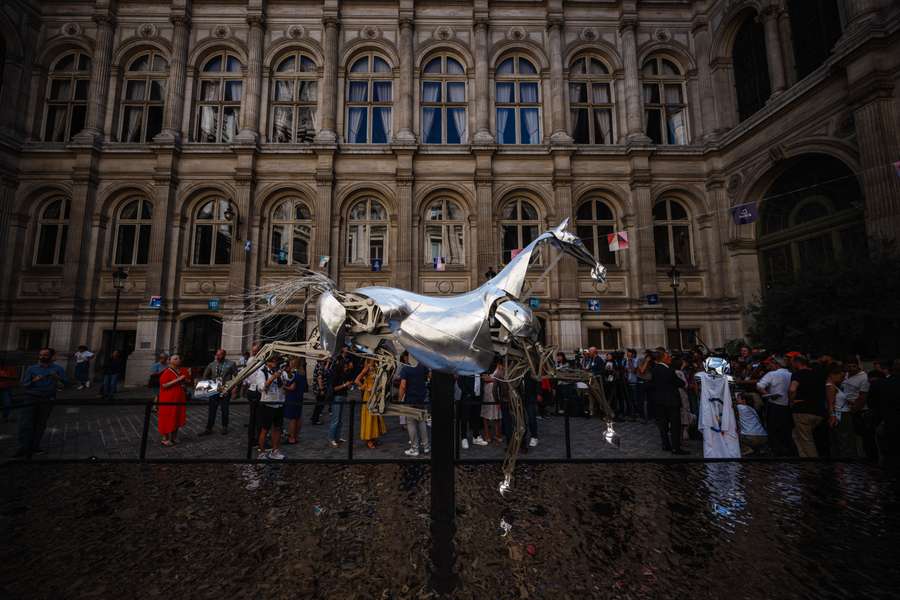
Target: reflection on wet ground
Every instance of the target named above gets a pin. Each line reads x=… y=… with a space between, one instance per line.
x=685 y=530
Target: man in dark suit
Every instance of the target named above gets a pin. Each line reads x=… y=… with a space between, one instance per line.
x=663 y=390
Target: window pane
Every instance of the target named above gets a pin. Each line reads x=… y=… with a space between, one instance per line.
x=222 y=207
x=283 y=126
x=651 y=93
x=682 y=244
x=301 y=245
x=159 y=64
x=359 y=91
x=214 y=65
x=287 y=65
x=456 y=125
x=529 y=232
x=381 y=125
x=381 y=91
x=676 y=129
x=677 y=210
x=46 y=251
x=506 y=125
x=650 y=67
x=223 y=245
x=141 y=63
x=586 y=234
x=206 y=211
x=577 y=92
x=158 y=89
x=66 y=63
x=61 y=89
x=454 y=67
x=306 y=91
x=604 y=212
x=600 y=93
x=358 y=211
x=669 y=68
x=209 y=90
x=526 y=68
x=154 y=121
x=673 y=94
x=209 y=117
x=283 y=90
x=307 y=65
x=661 y=244
x=81 y=89
x=530 y=126
x=84 y=63
x=433 y=66
x=131 y=124
x=431 y=91
x=301 y=212
x=580 y=132
x=61 y=249
x=377 y=241
x=130 y=210
x=55 y=128
x=598 y=68
x=578 y=67
x=602 y=126
x=504 y=92
x=202 y=244
x=125 y=244
x=360 y=66
x=778 y=263
x=377 y=212
x=506 y=67
x=604 y=255
x=146 y=210
x=431 y=125
x=78 y=115
x=280 y=244
x=456 y=91
x=233 y=91
x=653 y=125
x=528 y=92
x=529 y=213
x=584 y=212
x=381 y=66
x=306 y=124
x=510 y=211
x=510 y=235
x=230 y=124
x=233 y=65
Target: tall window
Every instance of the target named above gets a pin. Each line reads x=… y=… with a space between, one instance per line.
x=443 y=101
x=751 y=69
x=369 y=98
x=67 y=92
x=519 y=226
x=294 y=97
x=53 y=227
x=367 y=233
x=672 y=234
x=590 y=101
x=518 y=102
x=133 y=233
x=143 y=96
x=815 y=27
x=594 y=221
x=213 y=233
x=665 y=114
x=445 y=233
x=219 y=99
x=291 y=233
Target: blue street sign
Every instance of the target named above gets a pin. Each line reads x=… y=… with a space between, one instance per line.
x=376 y=265
x=534 y=302
x=593 y=305
x=652 y=298
x=213 y=304
x=155 y=301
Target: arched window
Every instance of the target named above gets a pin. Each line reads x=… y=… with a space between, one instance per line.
x=665 y=114
x=213 y=233
x=590 y=99
x=810 y=219
x=369 y=99
x=144 y=93
x=445 y=232
x=367 y=233
x=53 y=228
x=443 y=101
x=594 y=221
x=219 y=96
x=751 y=69
x=133 y=225
x=67 y=92
x=519 y=226
x=291 y=233
x=815 y=28
x=518 y=101
x=294 y=97
x=672 y=234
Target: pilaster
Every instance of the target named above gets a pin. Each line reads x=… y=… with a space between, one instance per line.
x=633 y=109
x=328 y=133
x=407 y=58
x=253 y=81
x=483 y=133
x=172 y=115
x=100 y=68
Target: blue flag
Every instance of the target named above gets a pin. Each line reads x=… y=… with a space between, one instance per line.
x=744 y=214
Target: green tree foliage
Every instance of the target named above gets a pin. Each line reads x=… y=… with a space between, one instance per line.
x=847 y=309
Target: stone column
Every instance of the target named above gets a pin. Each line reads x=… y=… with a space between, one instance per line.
x=322 y=215
x=633 y=109
x=773 y=49
x=787 y=47
x=558 y=98
x=487 y=232
x=253 y=82
x=405 y=107
x=482 y=84
x=700 y=33
x=174 y=109
x=328 y=134
x=99 y=89
x=402 y=269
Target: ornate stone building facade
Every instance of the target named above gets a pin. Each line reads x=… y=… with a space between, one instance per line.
x=207 y=147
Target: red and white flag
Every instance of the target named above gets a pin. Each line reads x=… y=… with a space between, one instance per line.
x=617 y=241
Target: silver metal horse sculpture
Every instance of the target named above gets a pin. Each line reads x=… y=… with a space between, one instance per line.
x=461 y=335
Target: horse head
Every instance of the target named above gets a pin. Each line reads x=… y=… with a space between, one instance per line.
x=572 y=245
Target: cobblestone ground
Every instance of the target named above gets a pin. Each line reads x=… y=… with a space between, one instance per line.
x=114 y=432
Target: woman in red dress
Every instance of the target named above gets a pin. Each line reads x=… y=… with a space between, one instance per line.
x=171 y=389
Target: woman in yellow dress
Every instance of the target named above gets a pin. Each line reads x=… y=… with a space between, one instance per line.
x=371 y=427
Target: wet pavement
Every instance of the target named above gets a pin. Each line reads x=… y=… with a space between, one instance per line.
x=624 y=530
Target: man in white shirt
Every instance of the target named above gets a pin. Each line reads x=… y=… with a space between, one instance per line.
x=753 y=434
x=775 y=387
x=270 y=415
x=856 y=386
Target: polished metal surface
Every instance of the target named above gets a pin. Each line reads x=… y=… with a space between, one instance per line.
x=207 y=388
x=717 y=366
x=332 y=316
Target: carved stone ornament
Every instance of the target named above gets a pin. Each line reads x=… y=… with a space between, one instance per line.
x=295 y=31
x=662 y=35
x=601 y=287
x=71 y=29
x=207 y=287
x=776 y=154
x=370 y=32
x=516 y=33
x=443 y=33
x=221 y=31
x=148 y=30
x=589 y=34
x=734 y=182
x=444 y=286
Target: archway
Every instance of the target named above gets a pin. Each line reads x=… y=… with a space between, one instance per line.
x=201 y=336
x=811 y=218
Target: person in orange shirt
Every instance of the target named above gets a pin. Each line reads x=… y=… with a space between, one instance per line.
x=171 y=390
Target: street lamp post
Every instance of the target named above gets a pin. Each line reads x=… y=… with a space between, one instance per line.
x=119 y=277
x=675 y=276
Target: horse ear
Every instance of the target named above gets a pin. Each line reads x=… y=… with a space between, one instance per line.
x=562 y=226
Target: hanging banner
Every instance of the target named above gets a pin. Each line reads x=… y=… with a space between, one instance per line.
x=376 y=265
x=617 y=241
x=744 y=214
x=439 y=264
x=534 y=302
x=513 y=253
x=155 y=301
x=593 y=305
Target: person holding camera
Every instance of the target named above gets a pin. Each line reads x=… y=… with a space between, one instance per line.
x=270 y=381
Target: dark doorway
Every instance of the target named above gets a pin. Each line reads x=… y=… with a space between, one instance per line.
x=124 y=343
x=751 y=70
x=201 y=336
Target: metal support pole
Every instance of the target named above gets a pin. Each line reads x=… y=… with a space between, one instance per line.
x=146 y=430
x=443 y=486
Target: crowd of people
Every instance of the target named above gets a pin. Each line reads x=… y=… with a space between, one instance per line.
x=784 y=405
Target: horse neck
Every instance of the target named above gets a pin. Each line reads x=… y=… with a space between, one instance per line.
x=512 y=278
